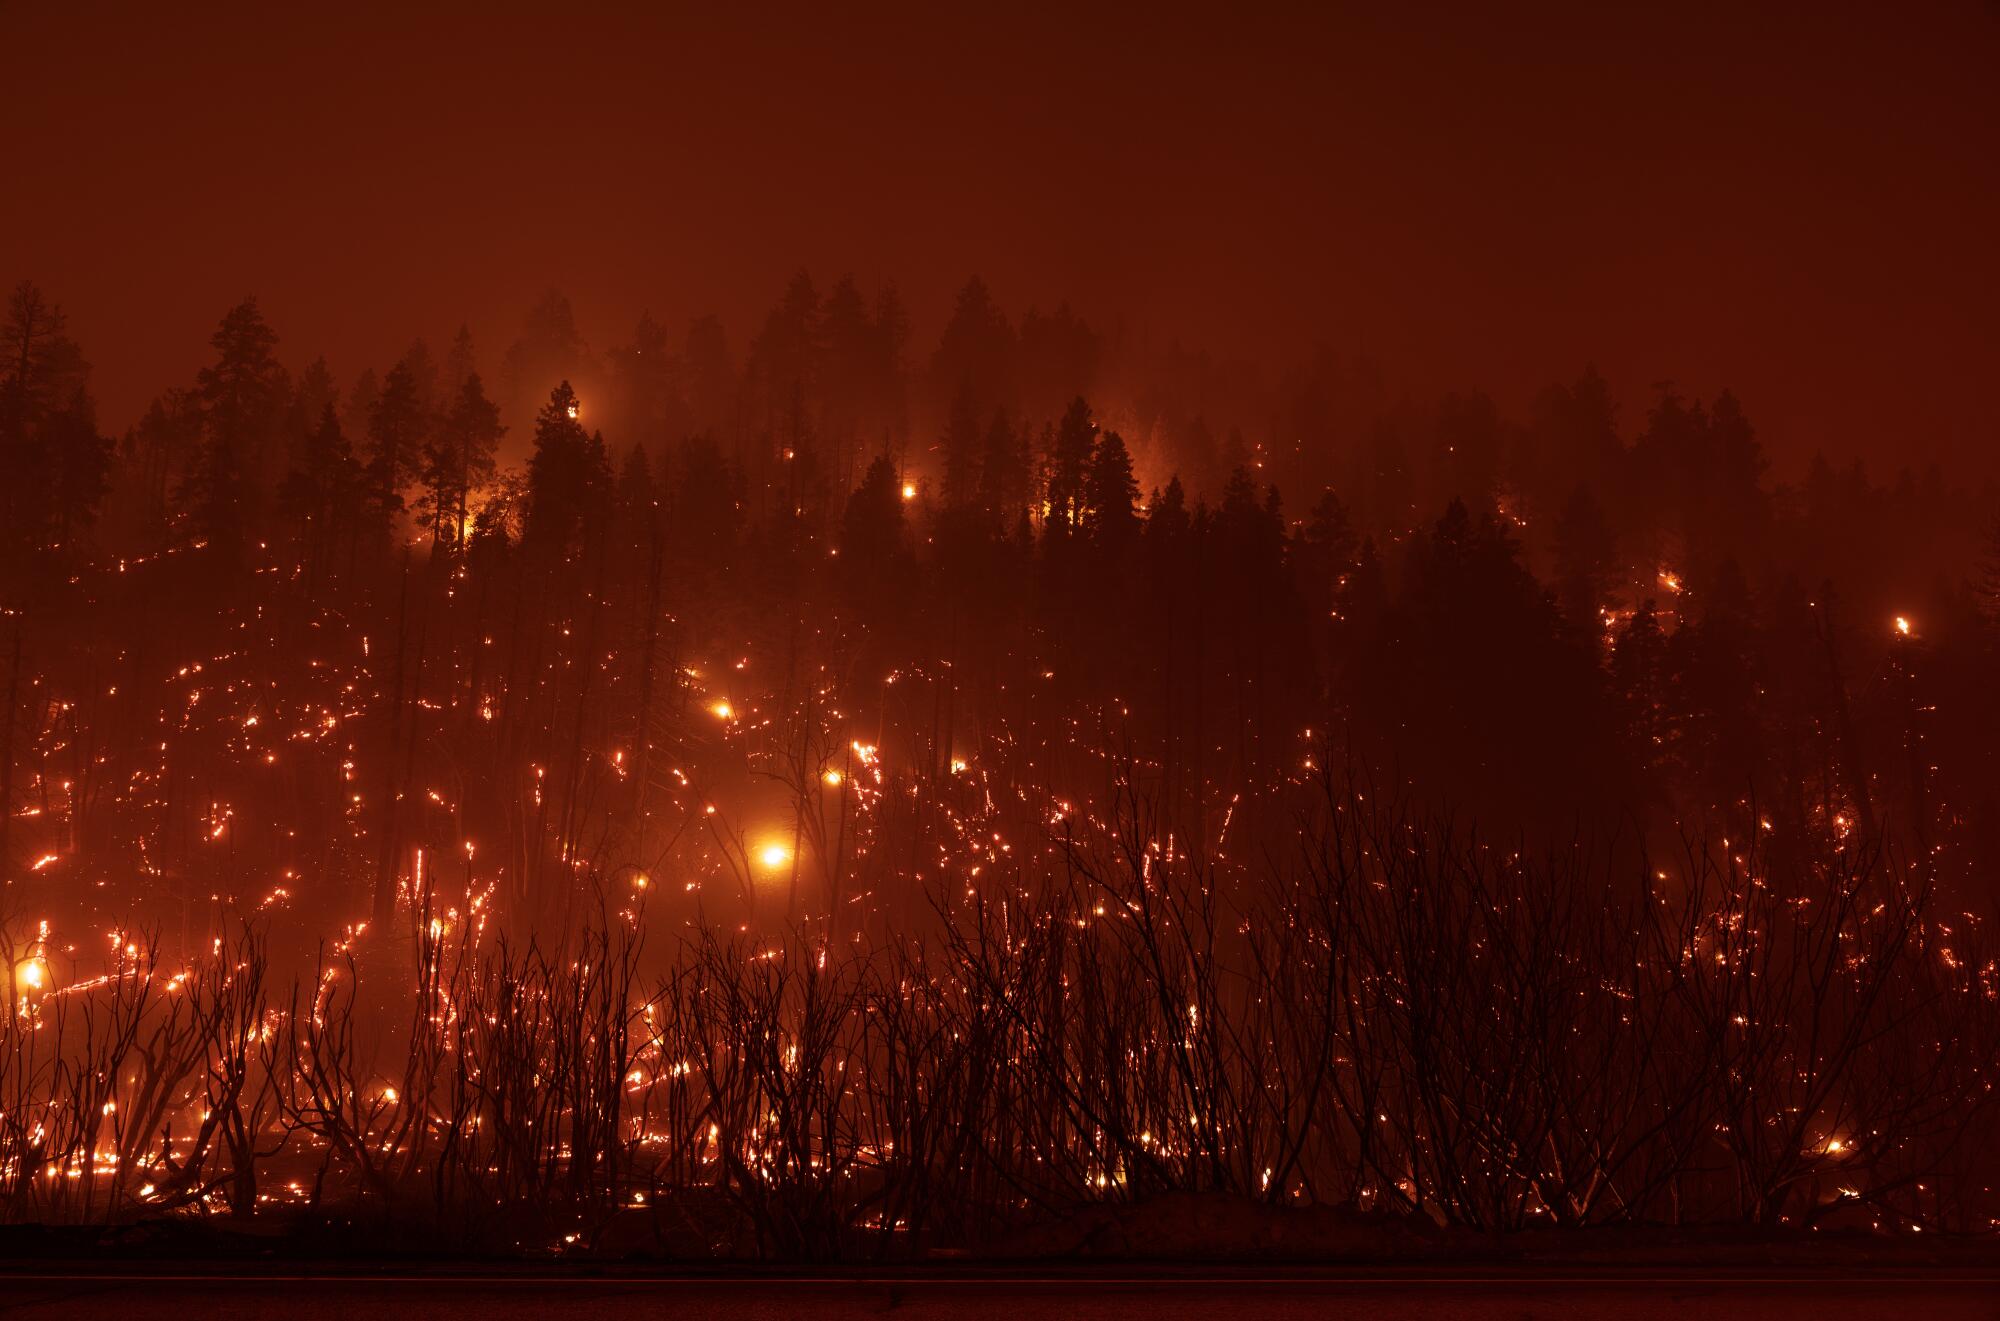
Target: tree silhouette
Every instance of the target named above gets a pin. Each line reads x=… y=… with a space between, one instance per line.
x=322 y=495
x=1586 y=559
x=1069 y=466
x=1110 y=492
x=962 y=450
x=458 y=459
x=53 y=461
x=397 y=427
x=1003 y=472
x=241 y=396
x=566 y=475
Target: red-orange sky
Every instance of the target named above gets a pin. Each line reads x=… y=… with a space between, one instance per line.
x=1798 y=200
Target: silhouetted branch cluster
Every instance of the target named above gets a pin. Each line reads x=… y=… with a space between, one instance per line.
x=1402 y=1019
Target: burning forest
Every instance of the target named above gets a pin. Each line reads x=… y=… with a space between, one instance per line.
x=807 y=839
x=918 y=640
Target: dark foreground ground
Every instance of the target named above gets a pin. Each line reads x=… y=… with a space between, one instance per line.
x=1150 y=1293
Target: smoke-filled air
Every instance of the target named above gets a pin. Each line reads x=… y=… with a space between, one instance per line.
x=770 y=764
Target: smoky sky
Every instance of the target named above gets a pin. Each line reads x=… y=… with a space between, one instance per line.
x=1797 y=201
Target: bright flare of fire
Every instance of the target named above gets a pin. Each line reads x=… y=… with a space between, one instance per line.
x=774 y=856
x=32 y=973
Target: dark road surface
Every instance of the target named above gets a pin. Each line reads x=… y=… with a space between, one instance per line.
x=1938 y=1296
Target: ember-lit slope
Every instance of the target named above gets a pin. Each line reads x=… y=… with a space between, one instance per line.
x=1220 y=730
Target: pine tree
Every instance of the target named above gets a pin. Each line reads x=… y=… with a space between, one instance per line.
x=638 y=506
x=1003 y=472
x=241 y=394
x=360 y=403
x=38 y=361
x=396 y=428
x=874 y=562
x=783 y=371
x=211 y=495
x=560 y=477
x=1330 y=535
x=52 y=459
x=1324 y=559
x=961 y=452
x=1110 y=493
x=1638 y=663
x=81 y=458
x=460 y=363
x=847 y=376
x=1585 y=555
x=314 y=392
x=322 y=493
x=976 y=350
x=1069 y=466
x=158 y=454
x=549 y=349
x=872 y=527
x=458 y=459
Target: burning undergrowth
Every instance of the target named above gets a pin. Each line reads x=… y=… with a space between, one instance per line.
x=1398 y=1027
